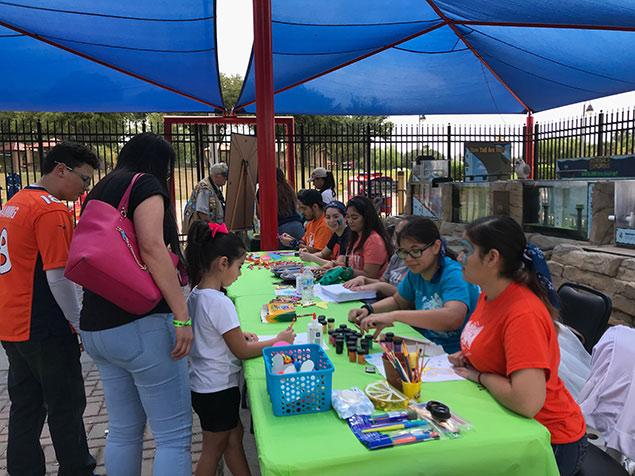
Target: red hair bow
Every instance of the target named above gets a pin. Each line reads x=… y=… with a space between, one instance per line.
x=216 y=227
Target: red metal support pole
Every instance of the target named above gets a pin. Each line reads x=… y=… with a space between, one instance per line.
x=265 y=126
x=529 y=144
x=291 y=152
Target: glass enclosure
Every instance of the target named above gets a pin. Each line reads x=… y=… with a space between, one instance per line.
x=470 y=201
x=625 y=212
x=560 y=205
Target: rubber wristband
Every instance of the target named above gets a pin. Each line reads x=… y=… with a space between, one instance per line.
x=178 y=323
x=479 y=379
x=369 y=308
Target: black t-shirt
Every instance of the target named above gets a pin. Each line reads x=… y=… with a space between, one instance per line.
x=99 y=313
x=340 y=240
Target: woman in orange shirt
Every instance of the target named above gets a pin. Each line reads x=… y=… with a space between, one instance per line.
x=510 y=344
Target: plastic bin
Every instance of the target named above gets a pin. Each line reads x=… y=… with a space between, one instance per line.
x=300 y=392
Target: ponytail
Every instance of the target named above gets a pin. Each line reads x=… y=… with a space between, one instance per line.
x=524 y=264
x=205 y=243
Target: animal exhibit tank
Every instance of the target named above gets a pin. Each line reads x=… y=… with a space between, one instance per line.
x=425 y=178
x=559 y=207
x=470 y=201
x=625 y=213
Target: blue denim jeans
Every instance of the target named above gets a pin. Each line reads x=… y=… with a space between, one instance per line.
x=141 y=381
x=569 y=456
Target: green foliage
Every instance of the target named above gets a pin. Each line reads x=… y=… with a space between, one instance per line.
x=385 y=158
x=230 y=89
x=425 y=150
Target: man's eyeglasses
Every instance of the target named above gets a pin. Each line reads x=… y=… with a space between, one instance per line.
x=416 y=253
x=86 y=179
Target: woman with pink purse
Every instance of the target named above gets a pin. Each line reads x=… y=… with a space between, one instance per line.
x=141 y=357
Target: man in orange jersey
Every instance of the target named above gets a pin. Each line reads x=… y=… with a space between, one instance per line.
x=40 y=317
x=317 y=234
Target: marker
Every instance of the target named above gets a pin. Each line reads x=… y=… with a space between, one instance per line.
x=412 y=437
x=398 y=426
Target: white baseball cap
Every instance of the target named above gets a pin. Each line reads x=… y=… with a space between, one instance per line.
x=319 y=172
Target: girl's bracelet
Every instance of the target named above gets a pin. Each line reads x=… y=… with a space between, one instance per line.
x=178 y=323
x=479 y=379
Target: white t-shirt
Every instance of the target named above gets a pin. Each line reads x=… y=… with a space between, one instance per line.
x=213 y=367
x=328 y=196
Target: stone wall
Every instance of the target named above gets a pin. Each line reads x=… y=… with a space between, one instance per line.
x=612 y=274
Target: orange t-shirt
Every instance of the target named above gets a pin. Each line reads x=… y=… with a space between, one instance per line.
x=317 y=234
x=373 y=252
x=35 y=235
x=514 y=332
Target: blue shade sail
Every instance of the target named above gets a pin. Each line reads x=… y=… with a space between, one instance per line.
x=446 y=56
x=150 y=56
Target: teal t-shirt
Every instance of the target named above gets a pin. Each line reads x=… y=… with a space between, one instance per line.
x=446 y=285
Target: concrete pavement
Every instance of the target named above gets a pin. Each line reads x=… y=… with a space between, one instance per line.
x=96 y=423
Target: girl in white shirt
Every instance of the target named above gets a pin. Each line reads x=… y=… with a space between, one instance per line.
x=214 y=258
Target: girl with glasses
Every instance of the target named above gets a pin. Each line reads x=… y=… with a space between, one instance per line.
x=433 y=298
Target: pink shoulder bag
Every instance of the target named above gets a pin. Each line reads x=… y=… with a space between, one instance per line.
x=104 y=257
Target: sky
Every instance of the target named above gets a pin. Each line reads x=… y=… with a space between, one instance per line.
x=235 y=36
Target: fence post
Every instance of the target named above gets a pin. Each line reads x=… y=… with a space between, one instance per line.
x=40 y=144
x=302 y=156
x=368 y=152
x=536 y=158
x=601 y=134
x=449 y=153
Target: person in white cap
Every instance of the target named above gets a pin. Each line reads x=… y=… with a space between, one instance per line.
x=323 y=181
x=207 y=201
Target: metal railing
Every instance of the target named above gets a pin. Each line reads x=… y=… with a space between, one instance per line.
x=352 y=152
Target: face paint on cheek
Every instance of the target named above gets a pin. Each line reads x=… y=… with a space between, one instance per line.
x=467 y=251
x=339 y=222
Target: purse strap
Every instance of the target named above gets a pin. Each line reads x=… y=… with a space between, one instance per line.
x=123 y=204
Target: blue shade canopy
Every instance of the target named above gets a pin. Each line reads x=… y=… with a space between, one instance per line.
x=108 y=55
x=446 y=56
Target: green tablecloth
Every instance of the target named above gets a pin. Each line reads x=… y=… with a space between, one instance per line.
x=501 y=443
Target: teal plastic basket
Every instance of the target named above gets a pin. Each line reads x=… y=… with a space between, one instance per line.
x=300 y=392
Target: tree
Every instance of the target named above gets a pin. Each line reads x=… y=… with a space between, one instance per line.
x=230 y=89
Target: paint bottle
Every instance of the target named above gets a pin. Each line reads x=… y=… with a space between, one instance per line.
x=331 y=337
x=343 y=327
x=331 y=323
x=369 y=339
x=361 y=356
x=388 y=340
x=397 y=345
x=339 y=345
x=352 y=353
x=322 y=321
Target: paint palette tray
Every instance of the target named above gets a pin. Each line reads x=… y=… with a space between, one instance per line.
x=386 y=397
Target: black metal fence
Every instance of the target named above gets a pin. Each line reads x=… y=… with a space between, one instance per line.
x=352 y=153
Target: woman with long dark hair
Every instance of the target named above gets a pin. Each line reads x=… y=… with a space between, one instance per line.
x=141 y=358
x=289 y=220
x=510 y=344
x=369 y=247
x=433 y=298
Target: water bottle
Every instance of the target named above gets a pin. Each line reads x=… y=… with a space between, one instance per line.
x=306 y=281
